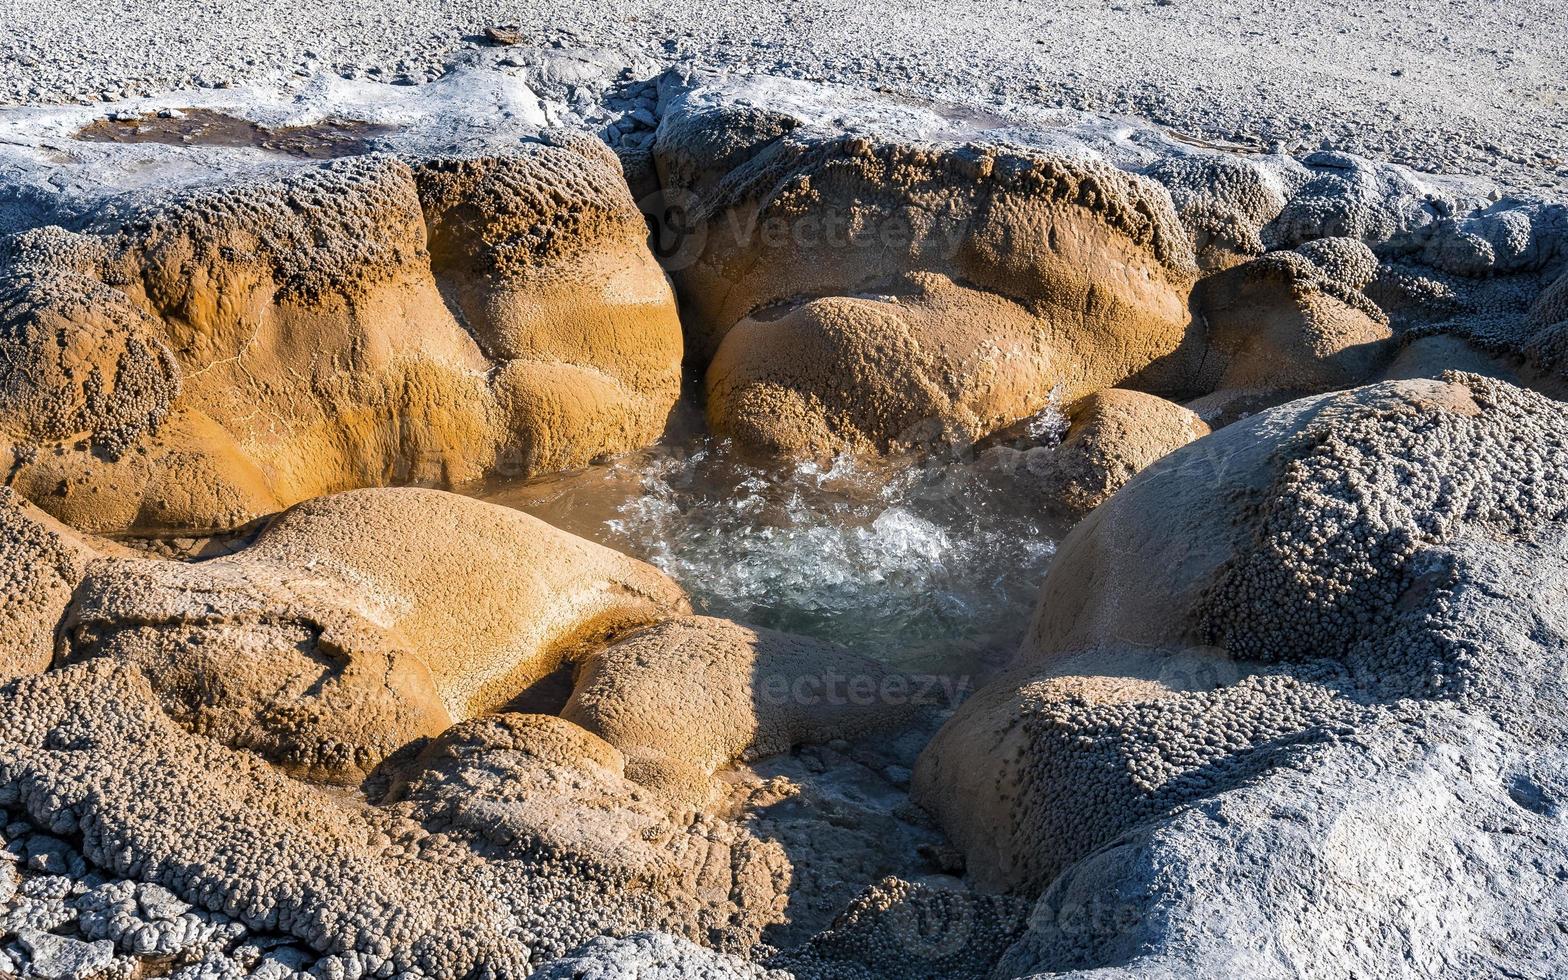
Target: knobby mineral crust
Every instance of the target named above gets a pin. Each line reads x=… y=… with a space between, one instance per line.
x=1292 y=702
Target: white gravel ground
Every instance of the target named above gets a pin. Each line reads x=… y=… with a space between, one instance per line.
x=1449 y=86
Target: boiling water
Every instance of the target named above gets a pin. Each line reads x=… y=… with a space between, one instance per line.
x=909 y=560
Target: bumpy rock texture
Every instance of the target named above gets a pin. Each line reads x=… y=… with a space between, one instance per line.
x=164 y=752
x=208 y=357
x=898 y=930
x=1292 y=704
x=1552 y=307
x=1345 y=263
x=858 y=292
x=1300 y=624
x=348 y=627
x=502 y=843
x=41 y=564
x=652 y=956
x=357 y=622
x=88 y=754
x=851 y=288
x=743 y=693
x=1111 y=435
x=1295 y=321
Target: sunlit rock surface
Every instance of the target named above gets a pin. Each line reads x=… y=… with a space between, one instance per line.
x=1291 y=684
x=229 y=351
x=1319 y=653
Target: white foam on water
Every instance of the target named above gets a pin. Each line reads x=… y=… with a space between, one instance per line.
x=897 y=558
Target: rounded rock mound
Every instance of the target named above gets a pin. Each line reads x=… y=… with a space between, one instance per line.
x=1283 y=322
x=1344 y=578
x=234 y=349
x=347 y=628
x=1111 y=436
x=685 y=697
x=859 y=292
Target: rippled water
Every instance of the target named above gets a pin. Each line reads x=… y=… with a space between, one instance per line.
x=904 y=559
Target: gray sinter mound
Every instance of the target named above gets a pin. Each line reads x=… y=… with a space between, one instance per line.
x=1374 y=784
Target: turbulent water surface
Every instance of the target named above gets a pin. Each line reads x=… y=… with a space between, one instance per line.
x=902 y=559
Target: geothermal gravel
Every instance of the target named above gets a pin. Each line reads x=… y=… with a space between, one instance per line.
x=1447 y=86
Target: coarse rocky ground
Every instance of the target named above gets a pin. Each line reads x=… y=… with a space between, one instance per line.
x=1459 y=86
x=1291 y=702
